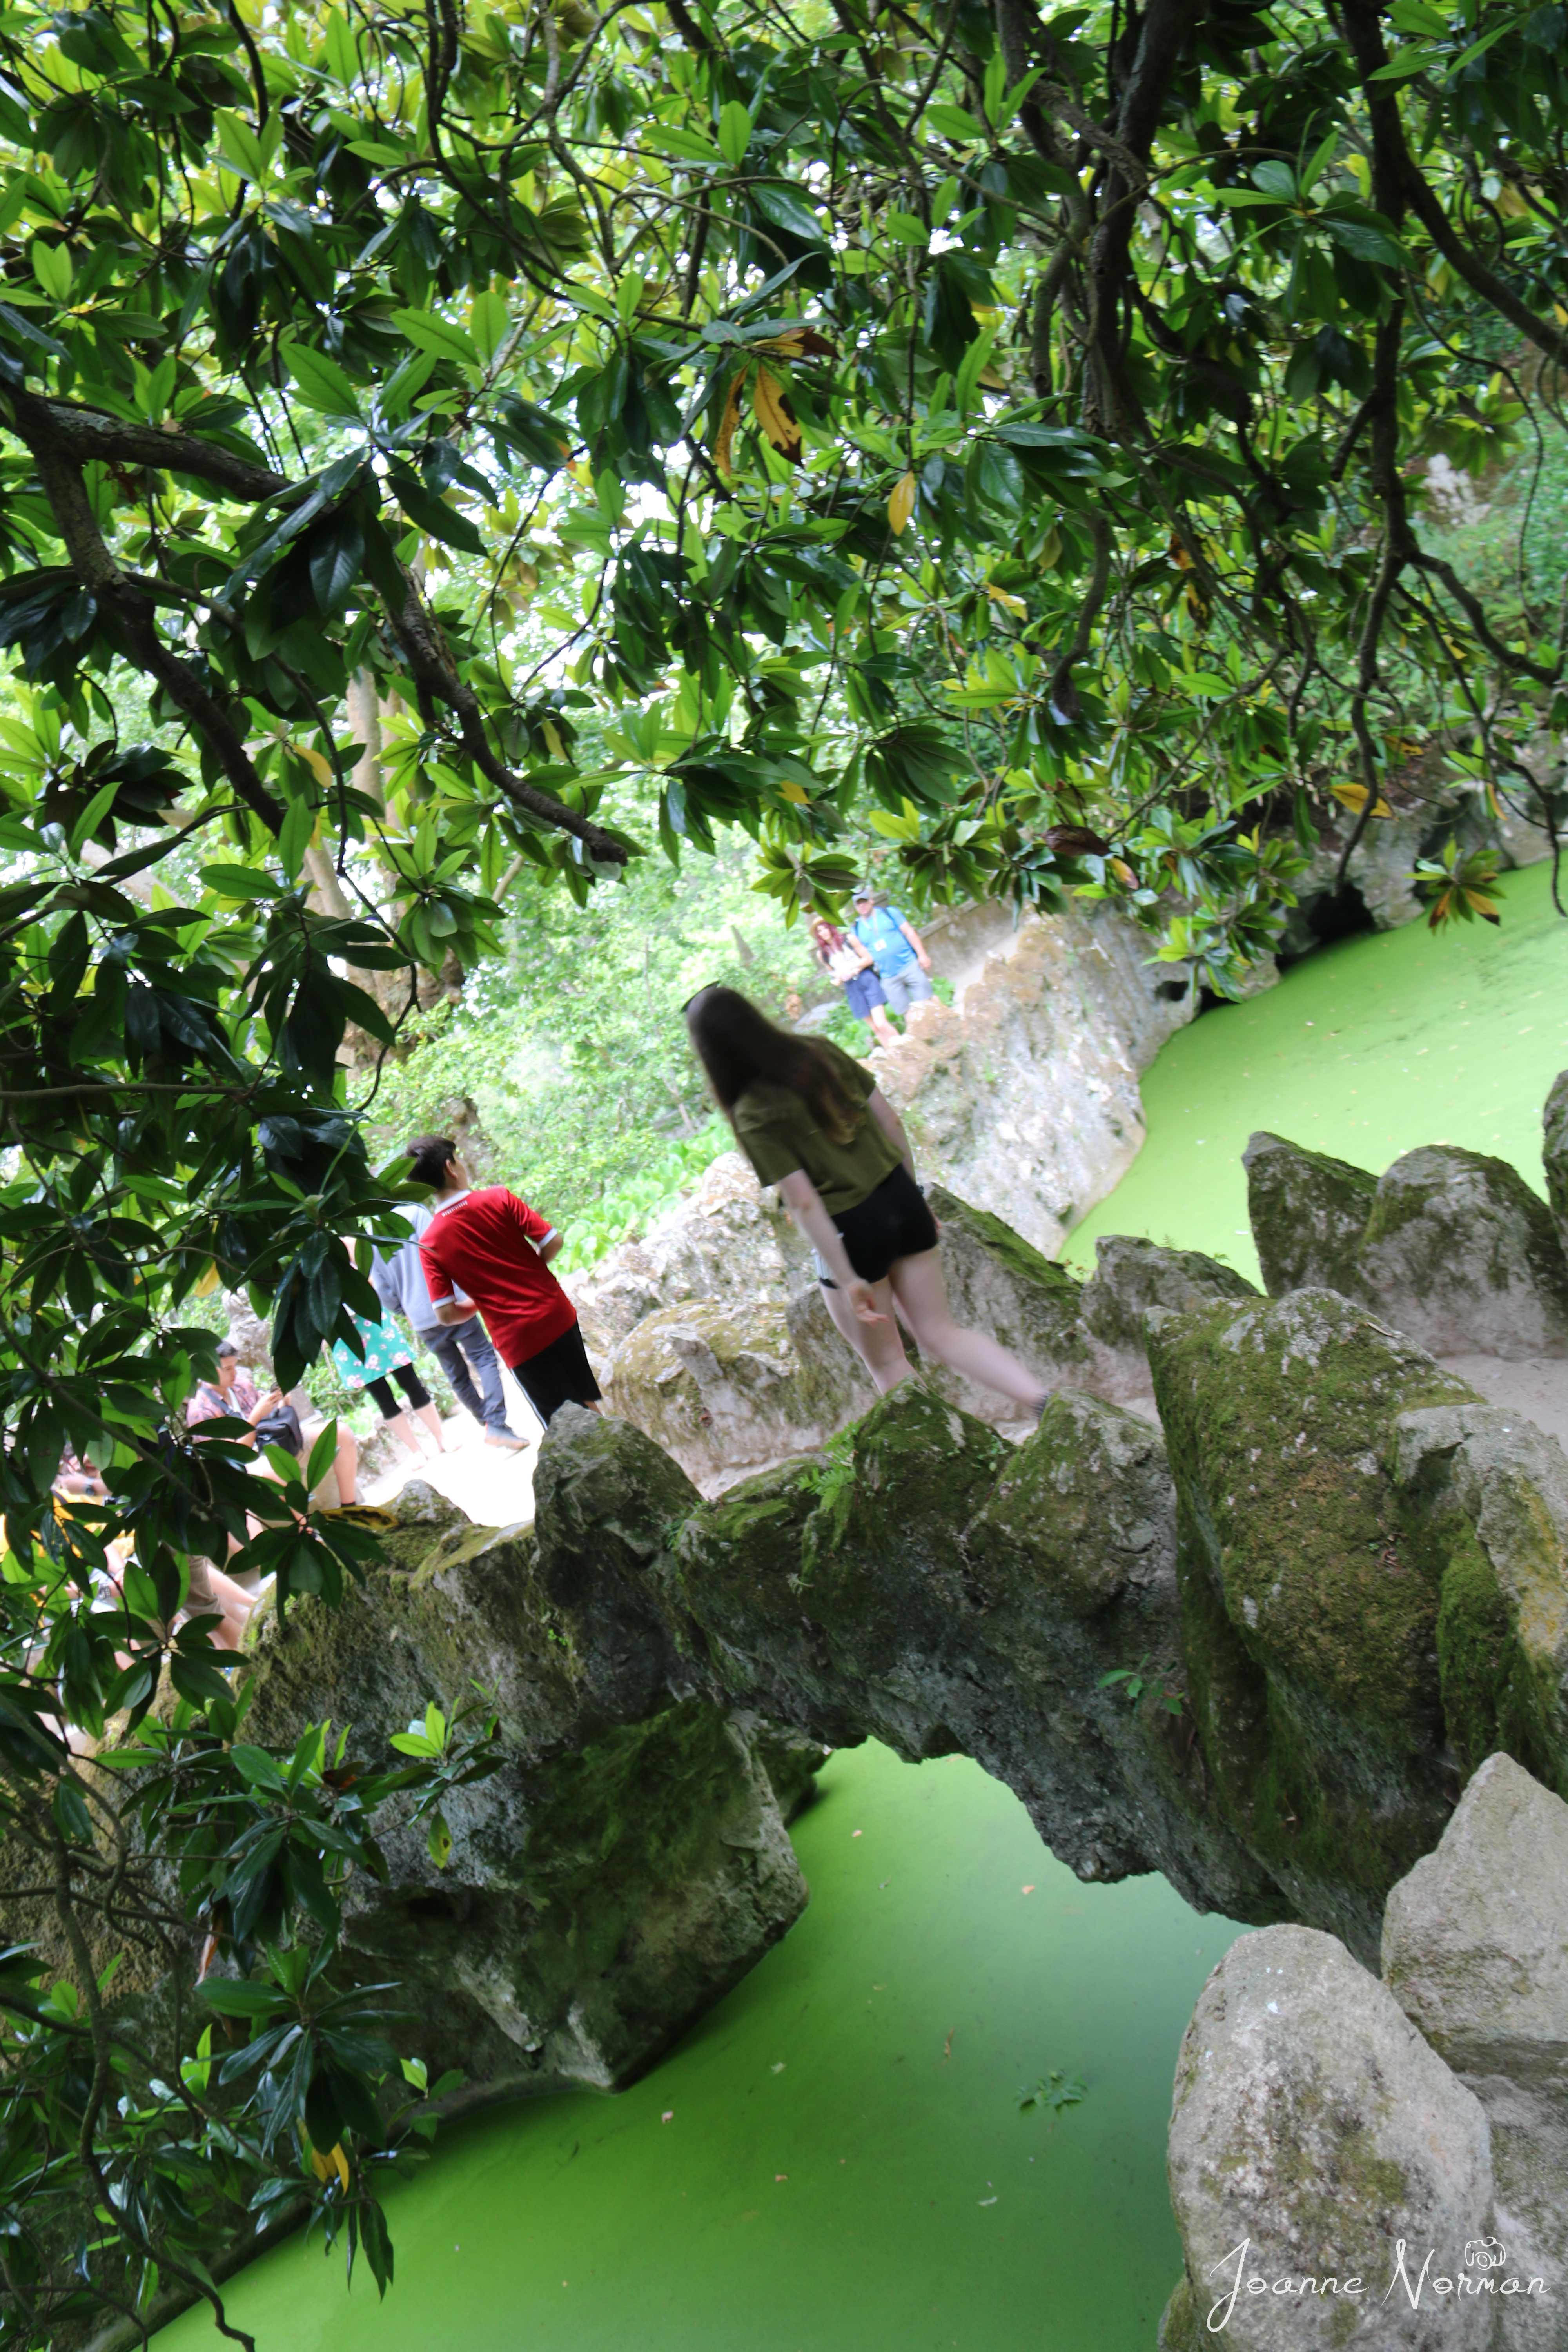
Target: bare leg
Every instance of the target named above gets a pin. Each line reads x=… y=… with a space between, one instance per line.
x=347 y=1464
x=432 y=1420
x=233 y=1602
x=922 y=1294
x=878 y=1344
x=882 y=1028
x=402 y=1429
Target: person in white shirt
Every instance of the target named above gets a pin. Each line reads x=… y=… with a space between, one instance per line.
x=849 y=963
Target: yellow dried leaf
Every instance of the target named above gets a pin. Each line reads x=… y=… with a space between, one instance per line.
x=793 y=792
x=1353 y=796
x=724 y=445
x=1000 y=596
x=208 y=1284
x=315 y=761
x=334 y=2162
x=1124 y=872
x=776 y=415
x=901 y=505
x=552 y=733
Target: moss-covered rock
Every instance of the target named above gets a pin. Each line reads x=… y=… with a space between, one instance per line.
x=1465 y=1258
x=1307 y=1213
x=1555 y=1152
x=1490 y=1497
x=719 y=1386
x=883 y=1570
x=1309 y=1591
x=1072 y=1563
x=1129 y=1278
x=629 y=1860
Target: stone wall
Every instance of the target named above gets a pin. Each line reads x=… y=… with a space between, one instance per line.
x=1025 y=1093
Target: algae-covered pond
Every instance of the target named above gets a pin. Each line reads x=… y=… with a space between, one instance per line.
x=845 y=2166
x=834 y=2159
x=1366 y=1050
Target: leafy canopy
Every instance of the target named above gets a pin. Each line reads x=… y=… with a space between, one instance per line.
x=991 y=436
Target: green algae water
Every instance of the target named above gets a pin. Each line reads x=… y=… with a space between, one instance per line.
x=1365 y=1050
x=835 y=2158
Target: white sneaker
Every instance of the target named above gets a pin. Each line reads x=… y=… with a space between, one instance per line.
x=507 y=1438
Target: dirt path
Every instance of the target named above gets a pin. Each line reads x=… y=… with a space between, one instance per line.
x=492 y=1485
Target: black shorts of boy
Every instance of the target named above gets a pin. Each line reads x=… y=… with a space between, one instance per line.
x=560 y=1374
x=893 y=1222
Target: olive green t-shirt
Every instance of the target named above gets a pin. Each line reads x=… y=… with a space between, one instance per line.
x=778 y=1132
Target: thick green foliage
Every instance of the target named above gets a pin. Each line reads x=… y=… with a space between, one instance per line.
x=458 y=430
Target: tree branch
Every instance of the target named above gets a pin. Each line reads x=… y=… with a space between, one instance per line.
x=61 y=482
x=436 y=675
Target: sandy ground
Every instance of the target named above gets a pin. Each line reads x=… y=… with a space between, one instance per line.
x=1535 y=1387
x=490 y=1482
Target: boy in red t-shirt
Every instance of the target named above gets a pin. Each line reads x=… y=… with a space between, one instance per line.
x=489 y=1249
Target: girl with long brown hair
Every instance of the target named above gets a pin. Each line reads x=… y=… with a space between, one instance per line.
x=815 y=1123
x=853 y=969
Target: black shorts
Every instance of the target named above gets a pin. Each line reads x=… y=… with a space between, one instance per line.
x=560 y=1374
x=408 y=1380
x=894 y=1223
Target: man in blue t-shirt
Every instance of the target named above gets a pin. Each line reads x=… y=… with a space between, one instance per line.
x=897 y=950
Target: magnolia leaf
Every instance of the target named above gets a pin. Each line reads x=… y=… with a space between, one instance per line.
x=438 y=335
x=776 y=415
x=1353 y=796
x=901 y=505
x=724 y=448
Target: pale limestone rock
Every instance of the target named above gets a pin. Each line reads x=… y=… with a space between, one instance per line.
x=730 y=1240
x=1313 y=2133
x=999 y=1284
x=1026 y=1095
x=722 y=1389
x=1475 y=1951
x=1462 y=1255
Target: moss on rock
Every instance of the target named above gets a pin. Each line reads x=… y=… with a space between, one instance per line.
x=1459 y=1253
x=1309 y=1596
x=1555 y=1152
x=882 y=1568
x=1307 y=1213
x=1131 y=1276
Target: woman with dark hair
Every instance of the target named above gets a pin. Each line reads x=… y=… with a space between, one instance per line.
x=849 y=963
x=815 y=1123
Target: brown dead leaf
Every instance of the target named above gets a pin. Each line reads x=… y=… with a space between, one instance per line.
x=776 y=415
x=724 y=445
x=1076 y=841
x=797 y=343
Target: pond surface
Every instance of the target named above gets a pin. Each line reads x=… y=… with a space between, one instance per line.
x=845 y=2166
x=1366 y=1050
x=834 y=2159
